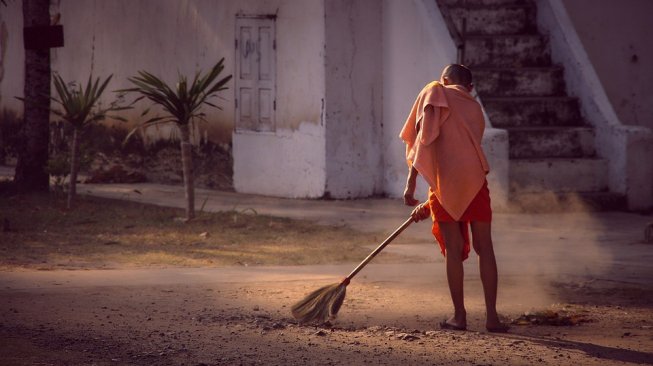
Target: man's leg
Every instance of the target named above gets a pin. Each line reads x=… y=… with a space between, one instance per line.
x=453 y=240
x=482 y=242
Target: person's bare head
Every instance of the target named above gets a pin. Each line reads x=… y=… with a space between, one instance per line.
x=456 y=74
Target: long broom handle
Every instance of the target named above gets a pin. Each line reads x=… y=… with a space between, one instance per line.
x=379 y=249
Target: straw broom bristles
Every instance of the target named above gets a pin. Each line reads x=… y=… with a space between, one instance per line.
x=324 y=303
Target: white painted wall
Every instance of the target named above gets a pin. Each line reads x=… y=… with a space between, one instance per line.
x=353 y=114
x=347 y=75
x=416 y=47
x=334 y=70
x=413 y=55
x=628 y=149
x=118 y=37
x=625 y=72
x=617 y=38
x=165 y=37
x=289 y=162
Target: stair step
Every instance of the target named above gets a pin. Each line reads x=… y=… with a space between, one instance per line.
x=552 y=152
x=532 y=111
x=537 y=81
x=550 y=142
x=483 y=2
x=542 y=202
x=507 y=51
x=558 y=175
x=488 y=20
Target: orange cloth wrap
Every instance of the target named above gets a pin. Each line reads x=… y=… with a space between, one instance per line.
x=445 y=148
x=446 y=151
x=479 y=209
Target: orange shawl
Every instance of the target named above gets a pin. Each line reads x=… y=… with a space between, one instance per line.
x=447 y=149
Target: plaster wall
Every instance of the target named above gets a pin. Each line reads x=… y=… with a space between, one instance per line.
x=353 y=113
x=167 y=37
x=347 y=74
x=416 y=47
x=11 y=57
x=121 y=37
x=628 y=149
x=616 y=37
x=413 y=55
x=289 y=162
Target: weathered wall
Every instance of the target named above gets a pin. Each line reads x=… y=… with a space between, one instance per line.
x=12 y=57
x=347 y=74
x=627 y=148
x=353 y=118
x=408 y=65
x=165 y=37
x=416 y=47
x=616 y=36
x=120 y=37
x=289 y=162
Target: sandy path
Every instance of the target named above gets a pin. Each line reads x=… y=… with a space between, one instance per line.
x=235 y=316
x=591 y=265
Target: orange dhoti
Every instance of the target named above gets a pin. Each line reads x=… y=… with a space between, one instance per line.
x=478 y=210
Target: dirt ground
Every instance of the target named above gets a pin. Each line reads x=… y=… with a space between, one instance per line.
x=239 y=315
x=74 y=318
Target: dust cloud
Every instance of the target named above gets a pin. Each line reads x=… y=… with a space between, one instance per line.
x=536 y=253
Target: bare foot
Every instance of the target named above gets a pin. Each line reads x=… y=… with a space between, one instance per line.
x=498 y=328
x=494 y=325
x=454 y=324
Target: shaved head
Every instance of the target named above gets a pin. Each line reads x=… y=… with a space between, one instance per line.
x=457 y=75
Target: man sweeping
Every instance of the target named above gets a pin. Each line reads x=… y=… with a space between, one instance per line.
x=443 y=136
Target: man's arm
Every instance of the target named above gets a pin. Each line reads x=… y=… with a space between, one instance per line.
x=431 y=124
x=411 y=182
x=409 y=192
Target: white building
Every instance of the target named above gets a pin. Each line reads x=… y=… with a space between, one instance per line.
x=321 y=88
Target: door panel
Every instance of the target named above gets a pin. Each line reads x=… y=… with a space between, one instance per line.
x=256 y=69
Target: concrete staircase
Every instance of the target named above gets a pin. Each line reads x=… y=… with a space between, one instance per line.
x=553 y=163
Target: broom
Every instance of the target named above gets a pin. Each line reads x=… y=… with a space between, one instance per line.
x=324 y=303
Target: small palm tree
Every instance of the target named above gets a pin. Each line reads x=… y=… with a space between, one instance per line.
x=182 y=105
x=80 y=108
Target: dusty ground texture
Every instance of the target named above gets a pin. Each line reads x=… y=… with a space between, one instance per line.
x=240 y=316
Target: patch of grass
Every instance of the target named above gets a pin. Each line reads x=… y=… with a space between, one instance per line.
x=37 y=232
